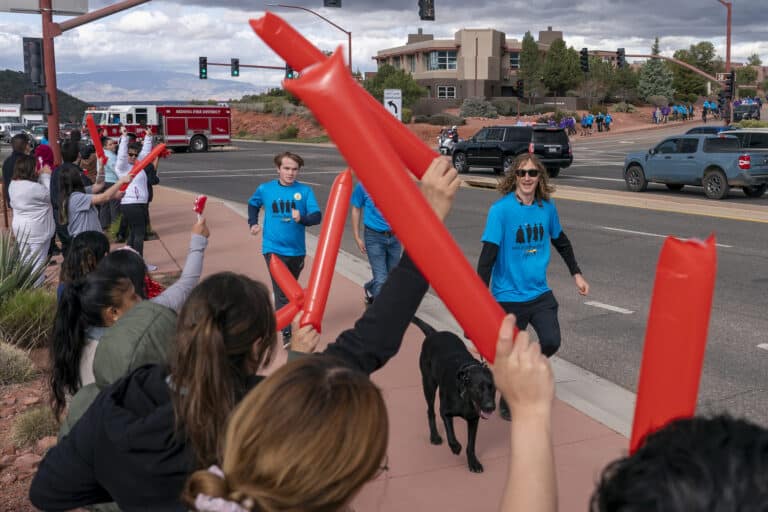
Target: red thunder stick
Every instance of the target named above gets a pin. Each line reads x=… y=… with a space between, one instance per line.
x=200 y=204
x=300 y=54
x=327 y=250
x=331 y=93
x=285 y=315
x=139 y=166
x=286 y=281
x=96 y=138
x=676 y=335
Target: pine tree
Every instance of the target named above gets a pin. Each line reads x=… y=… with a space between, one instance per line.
x=530 y=66
x=655 y=77
x=561 y=68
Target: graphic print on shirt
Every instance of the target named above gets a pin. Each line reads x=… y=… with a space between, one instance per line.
x=529 y=238
x=283 y=207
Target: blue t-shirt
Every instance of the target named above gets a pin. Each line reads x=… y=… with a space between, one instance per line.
x=282 y=235
x=523 y=234
x=372 y=217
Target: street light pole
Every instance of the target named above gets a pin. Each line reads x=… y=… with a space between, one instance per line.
x=349 y=33
x=728 y=6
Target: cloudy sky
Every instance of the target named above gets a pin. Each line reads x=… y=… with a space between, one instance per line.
x=170 y=35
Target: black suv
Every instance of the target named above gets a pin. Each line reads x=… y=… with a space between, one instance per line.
x=746 y=111
x=497 y=147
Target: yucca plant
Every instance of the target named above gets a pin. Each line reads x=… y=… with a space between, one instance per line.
x=17 y=266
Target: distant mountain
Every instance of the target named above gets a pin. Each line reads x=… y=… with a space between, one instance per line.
x=14 y=84
x=143 y=85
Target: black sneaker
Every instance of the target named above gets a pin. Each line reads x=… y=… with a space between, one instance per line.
x=504 y=410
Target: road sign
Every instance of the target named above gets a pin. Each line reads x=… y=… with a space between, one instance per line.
x=393 y=101
x=63 y=7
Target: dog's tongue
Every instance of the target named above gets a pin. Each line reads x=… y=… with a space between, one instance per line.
x=485 y=415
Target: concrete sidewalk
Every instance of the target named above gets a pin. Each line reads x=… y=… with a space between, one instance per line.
x=421 y=476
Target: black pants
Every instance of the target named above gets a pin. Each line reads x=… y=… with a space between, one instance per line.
x=135 y=217
x=541 y=313
x=295 y=265
x=109 y=210
x=62 y=231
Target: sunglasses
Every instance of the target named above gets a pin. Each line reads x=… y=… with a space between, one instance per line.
x=533 y=173
x=133 y=155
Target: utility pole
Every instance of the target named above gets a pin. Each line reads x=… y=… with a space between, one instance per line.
x=728 y=6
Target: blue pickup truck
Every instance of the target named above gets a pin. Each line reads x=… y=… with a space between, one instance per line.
x=716 y=163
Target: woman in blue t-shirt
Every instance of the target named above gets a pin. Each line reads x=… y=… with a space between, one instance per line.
x=515 y=254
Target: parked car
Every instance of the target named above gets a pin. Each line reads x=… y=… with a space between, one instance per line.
x=746 y=111
x=751 y=138
x=12 y=130
x=716 y=163
x=708 y=130
x=38 y=132
x=498 y=146
x=66 y=130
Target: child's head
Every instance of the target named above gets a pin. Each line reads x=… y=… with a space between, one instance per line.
x=130 y=263
x=226 y=332
x=85 y=252
x=306 y=438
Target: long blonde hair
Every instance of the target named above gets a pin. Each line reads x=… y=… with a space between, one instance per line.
x=508 y=184
x=305 y=439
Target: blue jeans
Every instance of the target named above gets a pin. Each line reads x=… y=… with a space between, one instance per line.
x=383 y=254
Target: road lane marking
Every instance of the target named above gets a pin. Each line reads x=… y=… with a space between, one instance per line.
x=643 y=233
x=615 y=309
x=763 y=346
x=593 y=178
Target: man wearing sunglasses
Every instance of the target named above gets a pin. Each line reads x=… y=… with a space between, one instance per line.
x=133 y=206
x=515 y=254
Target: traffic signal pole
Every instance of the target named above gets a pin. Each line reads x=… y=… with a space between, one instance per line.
x=50 y=31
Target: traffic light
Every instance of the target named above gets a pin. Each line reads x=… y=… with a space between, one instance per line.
x=427 y=10
x=520 y=89
x=721 y=100
x=584 y=60
x=290 y=73
x=33 y=60
x=235 y=67
x=621 y=60
x=730 y=85
x=331 y=3
x=203 y=72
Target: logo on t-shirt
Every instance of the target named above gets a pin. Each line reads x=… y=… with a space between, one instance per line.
x=297 y=196
x=530 y=236
x=283 y=206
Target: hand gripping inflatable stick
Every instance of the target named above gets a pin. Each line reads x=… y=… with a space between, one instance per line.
x=199 y=206
x=96 y=138
x=139 y=166
x=333 y=96
x=300 y=54
x=676 y=335
x=327 y=250
x=290 y=288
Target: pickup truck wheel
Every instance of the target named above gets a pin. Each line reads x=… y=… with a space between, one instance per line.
x=715 y=185
x=675 y=186
x=553 y=172
x=198 y=144
x=460 y=163
x=756 y=191
x=508 y=161
x=635 y=178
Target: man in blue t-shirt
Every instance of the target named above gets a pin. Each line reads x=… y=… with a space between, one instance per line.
x=380 y=244
x=289 y=207
x=515 y=254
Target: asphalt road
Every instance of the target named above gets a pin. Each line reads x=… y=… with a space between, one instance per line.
x=617 y=248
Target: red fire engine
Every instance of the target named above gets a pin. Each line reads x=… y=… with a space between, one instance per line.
x=193 y=127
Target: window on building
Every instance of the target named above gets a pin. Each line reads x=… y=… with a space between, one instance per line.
x=446 y=92
x=443 y=59
x=412 y=63
x=396 y=61
x=514 y=60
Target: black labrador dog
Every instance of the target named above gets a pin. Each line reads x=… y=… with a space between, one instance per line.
x=466 y=388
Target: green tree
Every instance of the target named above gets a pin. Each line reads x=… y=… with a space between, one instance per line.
x=686 y=81
x=597 y=85
x=746 y=75
x=655 y=77
x=561 y=68
x=754 y=60
x=389 y=77
x=625 y=83
x=531 y=64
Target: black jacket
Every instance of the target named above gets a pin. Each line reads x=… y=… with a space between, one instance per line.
x=124 y=448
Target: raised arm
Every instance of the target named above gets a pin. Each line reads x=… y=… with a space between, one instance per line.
x=122 y=166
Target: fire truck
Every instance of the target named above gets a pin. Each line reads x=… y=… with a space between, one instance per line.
x=181 y=127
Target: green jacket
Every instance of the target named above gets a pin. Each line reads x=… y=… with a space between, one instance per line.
x=141 y=336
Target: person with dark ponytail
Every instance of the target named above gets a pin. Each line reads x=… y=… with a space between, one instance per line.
x=145 y=434
x=78 y=205
x=86 y=251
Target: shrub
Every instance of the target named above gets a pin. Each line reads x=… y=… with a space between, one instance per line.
x=446 y=120
x=17 y=269
x=33 y=425
x=15 y=365
x=242 y=133
x=289 y=132
x=507 y=107
x=752 y=123
x=114 y=228
x=624 y=107
x=26 y=318
x=421 y=118
x=407 y=115
x=658 y=101
x=478 y=107
x=747 y=93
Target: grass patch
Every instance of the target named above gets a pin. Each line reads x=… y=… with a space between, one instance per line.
x=114 y=228
x=26 y=318
x=15 y=365
x=33 y=425
x=309 y=140
x=289 y=132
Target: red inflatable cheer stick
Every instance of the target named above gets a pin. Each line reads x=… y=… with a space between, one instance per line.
x=96 y=138
x=300 y=54
x=200 y=205
x=285 y=315
x=676 y=335
x=139 y=166
x=333 y=96
x=327 y=250
x=286 y=281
